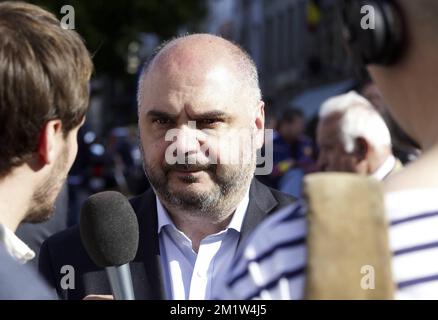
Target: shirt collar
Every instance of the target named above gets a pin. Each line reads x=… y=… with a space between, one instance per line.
x=163 y=216
x=238 y=216
x=235 y=223
x=14 y=246
x=385 y=168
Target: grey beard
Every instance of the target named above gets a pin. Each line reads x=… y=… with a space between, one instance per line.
x=214 y=204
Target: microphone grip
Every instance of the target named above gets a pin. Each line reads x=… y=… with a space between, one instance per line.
x=121 y=282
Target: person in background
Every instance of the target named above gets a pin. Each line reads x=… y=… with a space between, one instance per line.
x=294 y=152
x=352 y=137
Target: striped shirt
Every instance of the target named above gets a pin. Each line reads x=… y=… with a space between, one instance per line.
x=273 y=262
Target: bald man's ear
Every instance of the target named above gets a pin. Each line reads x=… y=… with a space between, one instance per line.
x=361 y=149
x=260 y=125
x=50 y=138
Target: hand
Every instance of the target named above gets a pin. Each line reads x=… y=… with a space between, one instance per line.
x=98 y=297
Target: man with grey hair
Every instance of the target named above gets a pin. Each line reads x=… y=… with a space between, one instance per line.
x=353 y=137
x=199 y=105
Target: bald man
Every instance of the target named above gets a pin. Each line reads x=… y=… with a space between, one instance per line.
x=201 y=121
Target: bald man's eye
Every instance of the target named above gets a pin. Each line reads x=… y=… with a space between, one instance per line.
x=162 y=121
x=209 y=122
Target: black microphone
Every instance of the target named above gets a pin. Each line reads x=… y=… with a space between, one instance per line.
x=109 y=233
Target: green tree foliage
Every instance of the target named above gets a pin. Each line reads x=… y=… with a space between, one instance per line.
x=109 y=26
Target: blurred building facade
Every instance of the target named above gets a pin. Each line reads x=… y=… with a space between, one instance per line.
x=296 y=44
x=220 y=18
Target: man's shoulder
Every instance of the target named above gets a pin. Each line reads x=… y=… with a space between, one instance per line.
x=275 y=250
x=66 y=246
x=262 y=190
x=281 y=224
x=72 y=234
x=276 y=205
x=20 y=281
x=282 y=198
x=65 y=249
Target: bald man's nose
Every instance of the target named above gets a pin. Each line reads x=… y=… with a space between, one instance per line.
x=188 y=140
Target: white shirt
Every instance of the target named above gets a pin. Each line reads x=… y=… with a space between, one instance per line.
x=413 y=237
x=14 y=246
x=197 y=276
x=385 y=169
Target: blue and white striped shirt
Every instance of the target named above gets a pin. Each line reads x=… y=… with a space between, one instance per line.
x=273 y=262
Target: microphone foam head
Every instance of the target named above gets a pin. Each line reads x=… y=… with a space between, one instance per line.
x=109 y=229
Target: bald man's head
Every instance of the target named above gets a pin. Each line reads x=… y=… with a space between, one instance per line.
x=199 y=53
x=200 y=105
